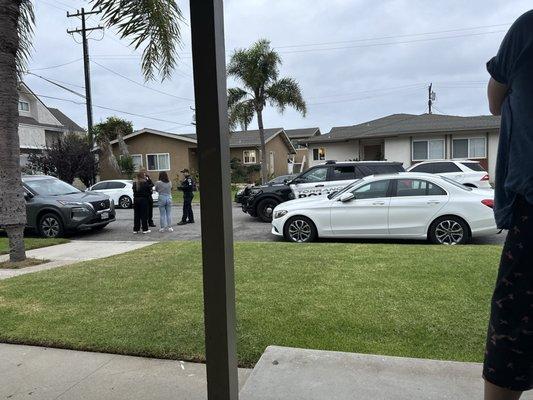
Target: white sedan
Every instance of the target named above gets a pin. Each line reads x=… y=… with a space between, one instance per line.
x=397 y=206
x=120 y=191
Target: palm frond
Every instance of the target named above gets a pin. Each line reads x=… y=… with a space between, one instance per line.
x=236 y=95
x=241 y=114
x=286 y=93
x=152 y=23
x=25 y=26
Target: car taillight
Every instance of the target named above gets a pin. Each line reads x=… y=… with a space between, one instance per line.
x=488 y=203
x=486 y=178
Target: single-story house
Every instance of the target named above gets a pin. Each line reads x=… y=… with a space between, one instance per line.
x=39 y=125
x=411 y=139
x=299 y=161
x=163 y=151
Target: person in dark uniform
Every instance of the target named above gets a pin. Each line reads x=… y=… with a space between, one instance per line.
x=150 y=199
x=188 y=187
x=508 y=366
x=141 y=192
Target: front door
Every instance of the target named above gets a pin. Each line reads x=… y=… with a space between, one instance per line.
x=373 y=152
x=413 y=206
x=364 y=216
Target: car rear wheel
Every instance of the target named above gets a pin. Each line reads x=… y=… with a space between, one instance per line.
x=51 y=226
x=125 y=202
x=449 y=231
x=300 y=229
x=265 y=209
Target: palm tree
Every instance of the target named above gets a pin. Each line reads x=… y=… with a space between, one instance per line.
x=151 y=24
x=257 y=68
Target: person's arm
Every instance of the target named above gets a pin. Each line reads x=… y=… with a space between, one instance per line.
x=497 y=92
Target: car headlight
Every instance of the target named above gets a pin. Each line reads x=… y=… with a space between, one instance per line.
x=240 y=191
x=70 y=203
x=255 y=192
x=280 y=213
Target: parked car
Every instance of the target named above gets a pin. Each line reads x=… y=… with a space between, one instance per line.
x=280 y=180
x=54 y=207
x=319 y=180
x=401 y=206
x=121 y=191
x=469 y=173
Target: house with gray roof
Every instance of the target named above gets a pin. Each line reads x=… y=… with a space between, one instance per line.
x=410 y=139
x=40 y=125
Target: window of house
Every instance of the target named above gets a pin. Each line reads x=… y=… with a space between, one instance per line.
x=137 y=161
x=428 y=149
x=417 y=187
x=470 y=148
x=319 y=154
x=24 y=105
x=158 y=162
x=249 y=157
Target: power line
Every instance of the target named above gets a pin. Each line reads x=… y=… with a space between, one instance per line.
x=140 y=84
x=57 y=66
x=58 y=85
x=391 y=37
x=363 y=98
x=52 y=5
x=113 y=109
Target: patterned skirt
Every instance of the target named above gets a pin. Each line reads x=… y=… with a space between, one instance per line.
x=509 y=349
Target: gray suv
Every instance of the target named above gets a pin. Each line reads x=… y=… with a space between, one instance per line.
x=54 y=207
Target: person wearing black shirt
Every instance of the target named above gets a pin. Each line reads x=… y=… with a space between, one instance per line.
x=141 y=193
x=150 y=199
x=187 y=187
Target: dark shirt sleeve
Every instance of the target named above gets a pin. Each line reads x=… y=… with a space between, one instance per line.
x=504 y=64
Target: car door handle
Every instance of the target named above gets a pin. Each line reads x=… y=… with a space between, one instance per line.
x=378 y=203
x=319 y=185
x=433 y=202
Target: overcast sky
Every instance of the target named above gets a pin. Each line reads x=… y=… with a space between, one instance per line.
x=355 y=60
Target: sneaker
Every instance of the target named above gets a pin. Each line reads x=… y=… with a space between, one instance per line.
x=135 y=232
x=151 y=225
x=162 y=230
x=182 y=223
x=148 y=231
x=169 y=229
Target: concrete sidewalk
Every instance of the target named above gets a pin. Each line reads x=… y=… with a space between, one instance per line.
x=70 y=253
x=302 y=374
x=40 y=373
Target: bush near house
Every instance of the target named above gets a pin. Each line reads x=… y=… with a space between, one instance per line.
x=244 y=173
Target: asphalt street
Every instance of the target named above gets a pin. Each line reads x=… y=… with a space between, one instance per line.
x=245 y=228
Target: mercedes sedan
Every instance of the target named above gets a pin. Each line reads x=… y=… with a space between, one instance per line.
x=397 y=206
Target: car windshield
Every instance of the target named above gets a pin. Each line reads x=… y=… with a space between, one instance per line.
x=347 y=188
x=454 y=183
x=50 y=187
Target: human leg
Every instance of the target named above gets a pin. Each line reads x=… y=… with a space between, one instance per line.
x=136 y=216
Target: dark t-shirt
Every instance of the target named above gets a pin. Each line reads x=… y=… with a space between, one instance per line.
x=513 y=66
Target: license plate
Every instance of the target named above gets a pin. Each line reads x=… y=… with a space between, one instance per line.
x=104 y=215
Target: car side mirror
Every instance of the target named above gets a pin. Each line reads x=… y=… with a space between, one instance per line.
x=345 y=197
x=28 y=196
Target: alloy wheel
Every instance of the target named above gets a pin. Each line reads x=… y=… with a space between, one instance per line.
x=125 y=202
x=449 y=232
x=50 y=227
x=300 y=231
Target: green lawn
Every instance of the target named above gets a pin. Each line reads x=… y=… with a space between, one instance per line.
x=31 y=243
x=403 y=300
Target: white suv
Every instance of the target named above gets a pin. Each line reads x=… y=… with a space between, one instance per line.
x=120 y=191
x=469 y=173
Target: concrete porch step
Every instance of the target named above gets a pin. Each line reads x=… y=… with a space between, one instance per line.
x=301 y=374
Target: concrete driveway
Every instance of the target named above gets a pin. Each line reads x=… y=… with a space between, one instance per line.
x=245 y=228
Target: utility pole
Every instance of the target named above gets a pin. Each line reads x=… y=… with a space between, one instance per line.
x=431 y=98
x=86 y=62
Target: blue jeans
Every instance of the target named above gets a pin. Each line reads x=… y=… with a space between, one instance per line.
x=165 y=210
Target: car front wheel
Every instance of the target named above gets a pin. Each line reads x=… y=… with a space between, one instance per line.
x=300 y=230
x=449 y=231
x=265 y=208
x=124 y=202
x=51 y=226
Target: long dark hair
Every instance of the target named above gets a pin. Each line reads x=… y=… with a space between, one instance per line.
x=163 y=177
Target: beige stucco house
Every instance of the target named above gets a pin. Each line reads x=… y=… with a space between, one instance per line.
x=39 y=125
x=411 y=139
x=299 y=162
x=163 y=151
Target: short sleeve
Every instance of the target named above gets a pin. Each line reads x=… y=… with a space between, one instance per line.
x=504 y=64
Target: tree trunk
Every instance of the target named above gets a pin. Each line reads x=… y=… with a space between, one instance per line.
x=12 y=203
x=264 y=158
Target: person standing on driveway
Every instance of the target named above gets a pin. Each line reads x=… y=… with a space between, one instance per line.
x=150 y=199
x=141 y=192
x=187 y=187
x=508 y=366
x=163 y=187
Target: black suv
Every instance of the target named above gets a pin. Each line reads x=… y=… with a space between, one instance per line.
x=54 y=207
x=260 y=201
